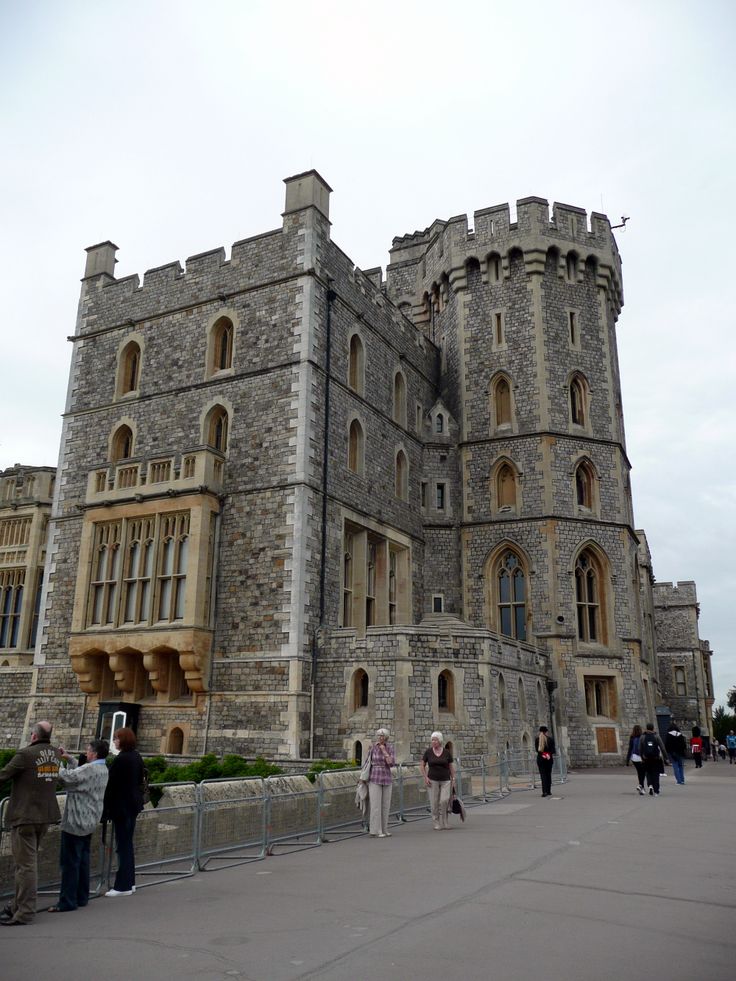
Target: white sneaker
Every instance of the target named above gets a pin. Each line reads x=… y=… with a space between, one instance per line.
x=382 y=835
x=117 y=892
x=641 y=791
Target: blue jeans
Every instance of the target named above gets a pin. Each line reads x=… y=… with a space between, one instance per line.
x=74 y=862
x=677 y=768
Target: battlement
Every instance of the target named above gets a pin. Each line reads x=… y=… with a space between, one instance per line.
x=443 y=249
x=675 y=594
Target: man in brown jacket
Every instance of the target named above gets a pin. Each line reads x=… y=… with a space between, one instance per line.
x=34 y=771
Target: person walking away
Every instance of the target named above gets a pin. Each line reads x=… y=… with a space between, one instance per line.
x=123 y=804
x=634 y=756
x=438 y=770
x=676 y=748
x=85 y=793
x=654 y=756
x=545 y=747
x=380 y=784
x=731 y=746
x=696 y=747
x=32 y=808
x=722 y=750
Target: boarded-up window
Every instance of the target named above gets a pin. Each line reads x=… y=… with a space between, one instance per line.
x=606 y=739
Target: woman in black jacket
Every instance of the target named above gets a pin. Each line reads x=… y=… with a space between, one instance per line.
x=545 y=747
x=123 y=804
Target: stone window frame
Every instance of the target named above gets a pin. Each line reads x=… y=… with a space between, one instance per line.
x=585 y=482
x=361 y=690
x=572 y=266
x=494 y=602
x=401 y=474
x=223 y=325
x=679 y=676
x=494 y=268
x=166 y=743
x=541 y=703
x=440 y=496
x=122 y=440
x=600 y=603
x=446 y=691
x=355 y=460
x=498 y=329
x=503 y=702
x=399 y=399
x=522 y=700
x=125 y=386
x=356 y=363
x=497 y=410
x=12 y=590
x=435 y=598
x=572 y=317
x=601 y=689
x=378 y=593
x=579 y=397
x=502 y=470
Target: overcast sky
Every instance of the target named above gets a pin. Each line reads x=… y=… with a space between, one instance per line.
x=168 y=127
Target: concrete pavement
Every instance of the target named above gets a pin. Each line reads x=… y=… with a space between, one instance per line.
x=594 y=884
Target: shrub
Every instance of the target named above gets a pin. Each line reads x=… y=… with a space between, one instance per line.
x=320 y=765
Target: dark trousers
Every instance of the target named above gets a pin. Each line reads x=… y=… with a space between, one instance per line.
x=652 y=771
x=74 y=862
x=25 y=843
x=698 y=758
x=124 y=830
x=640 y=771
x=545 y=773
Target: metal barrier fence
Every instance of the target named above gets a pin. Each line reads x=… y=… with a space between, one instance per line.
x=226 y=822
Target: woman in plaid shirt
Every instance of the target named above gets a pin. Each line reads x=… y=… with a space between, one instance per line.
x=380 y=783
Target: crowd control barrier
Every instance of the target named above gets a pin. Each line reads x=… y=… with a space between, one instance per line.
x=230 y=821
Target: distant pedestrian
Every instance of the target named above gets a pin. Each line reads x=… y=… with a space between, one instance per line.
x=654 y=756
x=696 y=747
x=32 y=808
x=634 y=756
x=85 y=793
x=380 y=784
x=438 y=770
x=731 y=746
x=545 y=747
x=722 y=750
x=676 y=748
x=123 y=804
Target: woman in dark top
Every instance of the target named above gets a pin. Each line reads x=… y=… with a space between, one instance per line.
x=634 y=756
x=438 y=770
x=123 y=804
x=545 y=747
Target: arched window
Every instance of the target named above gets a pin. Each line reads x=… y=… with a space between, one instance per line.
x=130 y=366
x=439 y=423
x=510 y=595
x=522 y=700
x=446 y=691
x=400 y=399
x=402 y=476
x=589 y=598
x=358 y=752
x=577 y=401
x=584 y=485
x=356 y=366
x=175 y=742
x=506 y=487
x=680 y=682
x=355 y=447
x=222 y=344
x=360 y=690
x=217 y=428
x=502 y=401
x=571 y=267
x=503 y=707
x=122 y=444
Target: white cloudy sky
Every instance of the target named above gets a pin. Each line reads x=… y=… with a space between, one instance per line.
x=167 y=126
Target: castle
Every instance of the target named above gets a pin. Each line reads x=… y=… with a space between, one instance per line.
x=295 y=501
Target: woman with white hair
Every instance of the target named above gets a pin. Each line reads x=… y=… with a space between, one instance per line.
x=380 y=784
x=438 y=770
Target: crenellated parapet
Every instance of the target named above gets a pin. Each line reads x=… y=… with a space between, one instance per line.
x=675 y=594
x=426 y=262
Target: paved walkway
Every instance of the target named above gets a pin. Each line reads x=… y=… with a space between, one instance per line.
x=595 y=884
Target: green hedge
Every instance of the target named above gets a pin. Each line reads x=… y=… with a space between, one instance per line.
x=209 y=767
x=320 y=765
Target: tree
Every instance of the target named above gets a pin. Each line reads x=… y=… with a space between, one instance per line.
x=723 y=722
x=731 y=698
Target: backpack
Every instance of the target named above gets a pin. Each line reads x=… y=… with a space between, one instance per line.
x=648 y=746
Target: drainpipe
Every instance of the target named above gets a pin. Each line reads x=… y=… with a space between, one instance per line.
x=330 y=297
